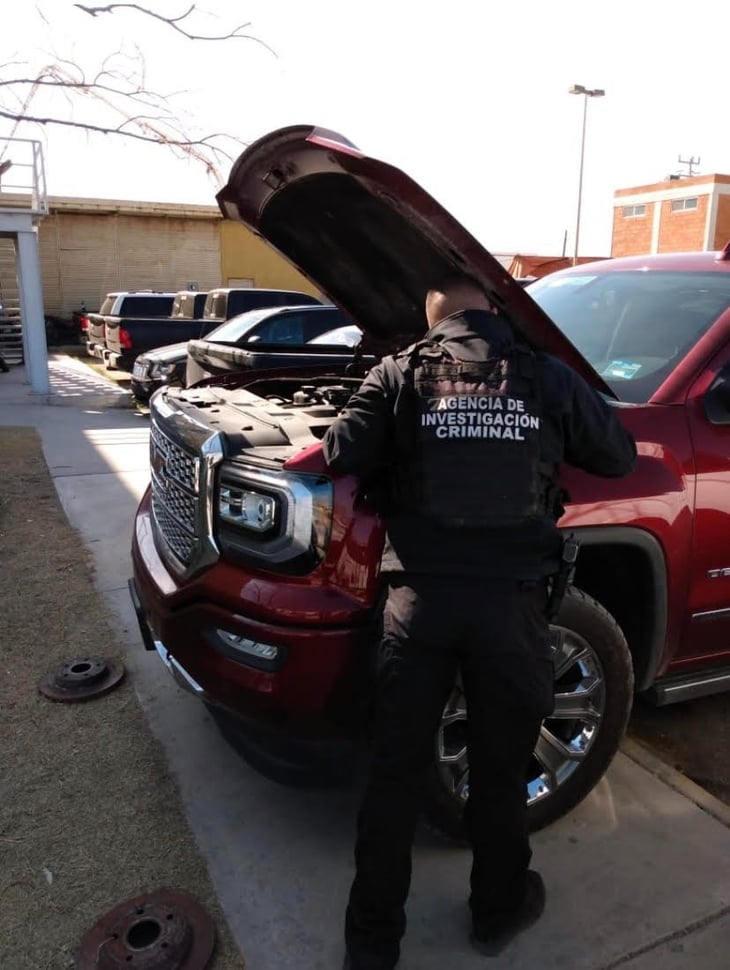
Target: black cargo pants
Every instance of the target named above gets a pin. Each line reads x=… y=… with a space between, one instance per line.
x=496 y=634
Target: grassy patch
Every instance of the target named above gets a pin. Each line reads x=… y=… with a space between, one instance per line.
x=89 y=813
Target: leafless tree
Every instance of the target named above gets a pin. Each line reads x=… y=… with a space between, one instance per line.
x=119 y=85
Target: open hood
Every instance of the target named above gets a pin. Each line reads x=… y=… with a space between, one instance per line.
x=371 y=238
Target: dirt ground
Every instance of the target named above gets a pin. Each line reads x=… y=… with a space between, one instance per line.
x=693 y=737
x=89 y=815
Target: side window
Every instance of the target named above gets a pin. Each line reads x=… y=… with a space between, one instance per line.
x=285 y=329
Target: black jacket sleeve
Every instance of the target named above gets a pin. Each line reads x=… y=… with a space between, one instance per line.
x=595 y=439
x=358 y=442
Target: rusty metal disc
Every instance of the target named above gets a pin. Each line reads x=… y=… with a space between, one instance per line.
x=81 y=679
x=163 y=930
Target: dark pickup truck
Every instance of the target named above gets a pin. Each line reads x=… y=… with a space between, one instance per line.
x=226 y=302
x=122 y=306
x=126 y=337
x=166 y=363
x=241 y=343
x=126 y=340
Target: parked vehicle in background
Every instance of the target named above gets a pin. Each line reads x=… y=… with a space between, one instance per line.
x=226 y=302
x=167 y=363
x=237 y=345
x=128 y=304
x=256 y=570
x=126 y=337
x=347 y=336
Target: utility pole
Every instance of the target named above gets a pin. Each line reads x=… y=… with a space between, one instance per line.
x=587 y=93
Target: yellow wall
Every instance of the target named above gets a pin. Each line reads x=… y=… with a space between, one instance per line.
x=244 y=255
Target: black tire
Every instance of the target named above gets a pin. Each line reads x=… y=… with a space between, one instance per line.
x=581 y=623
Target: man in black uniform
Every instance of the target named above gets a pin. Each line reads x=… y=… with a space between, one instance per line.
x=462 y=436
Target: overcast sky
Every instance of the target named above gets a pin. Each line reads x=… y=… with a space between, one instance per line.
x=470 y=97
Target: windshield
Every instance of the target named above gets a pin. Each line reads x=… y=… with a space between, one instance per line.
x=237 y=327
x=633 y=327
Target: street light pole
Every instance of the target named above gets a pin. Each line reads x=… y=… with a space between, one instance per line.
x=587 y=93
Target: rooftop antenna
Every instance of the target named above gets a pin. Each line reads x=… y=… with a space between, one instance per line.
x=690 y=163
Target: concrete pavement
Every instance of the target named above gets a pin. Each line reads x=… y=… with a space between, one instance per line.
x=638 y=876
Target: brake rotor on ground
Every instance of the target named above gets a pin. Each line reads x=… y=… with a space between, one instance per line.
x=163 y=930
x=81 y=679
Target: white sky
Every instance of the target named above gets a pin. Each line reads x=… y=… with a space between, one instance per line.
x=469 y=97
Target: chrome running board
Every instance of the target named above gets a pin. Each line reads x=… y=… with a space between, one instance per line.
x=689 y=686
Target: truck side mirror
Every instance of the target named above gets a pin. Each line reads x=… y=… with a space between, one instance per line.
x=717 y=398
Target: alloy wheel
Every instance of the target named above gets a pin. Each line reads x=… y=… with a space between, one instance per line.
x=566 y=736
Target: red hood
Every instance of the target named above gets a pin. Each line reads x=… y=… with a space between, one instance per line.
x=370 y=238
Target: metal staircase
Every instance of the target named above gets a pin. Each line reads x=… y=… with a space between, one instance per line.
x=23 y=203
x=11 y=331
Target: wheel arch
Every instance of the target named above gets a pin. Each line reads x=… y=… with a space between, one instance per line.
x=624 y=568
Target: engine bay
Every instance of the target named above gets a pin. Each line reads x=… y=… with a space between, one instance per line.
x=269 y=411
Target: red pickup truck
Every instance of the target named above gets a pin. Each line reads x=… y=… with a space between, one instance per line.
x=256 y=571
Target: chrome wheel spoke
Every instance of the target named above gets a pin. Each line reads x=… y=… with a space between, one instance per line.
x=447 y=751
x=452 y=717
x=452 y=757
x=461 y=788
x=568 y=654
x=578 y=704
x=552 y=754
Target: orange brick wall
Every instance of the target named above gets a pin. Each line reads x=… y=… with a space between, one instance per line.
x=632 y=234
x=683 y=231
x=722 y=227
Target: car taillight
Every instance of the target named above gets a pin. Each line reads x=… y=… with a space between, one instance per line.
x=84 y=323
x=125 y=340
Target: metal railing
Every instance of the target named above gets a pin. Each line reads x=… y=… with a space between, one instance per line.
x=22 y=176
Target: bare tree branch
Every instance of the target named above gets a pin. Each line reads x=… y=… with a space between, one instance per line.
x=175 y=22
x=104 y=130
x=137 y=93
x=118 y=83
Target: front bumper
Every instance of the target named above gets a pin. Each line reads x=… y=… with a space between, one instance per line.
x=145 y=388
x=280 y=754
x=317 y=687
x=177 y=671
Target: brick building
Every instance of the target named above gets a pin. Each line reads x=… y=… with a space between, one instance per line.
x=678 y=215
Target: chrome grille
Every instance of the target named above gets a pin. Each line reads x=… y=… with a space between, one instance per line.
x=174 y=475
x=180 y=541
x=182 y=466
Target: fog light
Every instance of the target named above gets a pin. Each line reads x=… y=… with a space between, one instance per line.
x=264 y=651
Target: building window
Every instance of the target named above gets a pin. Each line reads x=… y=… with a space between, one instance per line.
x=634 y=211
x=683 y=205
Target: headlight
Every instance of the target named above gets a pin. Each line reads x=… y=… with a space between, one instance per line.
x=247 y=509
x=161 y=370
x=278 y=520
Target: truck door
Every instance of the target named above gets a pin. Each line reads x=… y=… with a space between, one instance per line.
x=708 y=407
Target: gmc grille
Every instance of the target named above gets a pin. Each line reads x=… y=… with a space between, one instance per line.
x=174 y=477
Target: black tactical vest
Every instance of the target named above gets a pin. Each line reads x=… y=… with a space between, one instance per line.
x=476 y=460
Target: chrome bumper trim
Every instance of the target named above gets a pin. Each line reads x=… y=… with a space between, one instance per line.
x=178 y=673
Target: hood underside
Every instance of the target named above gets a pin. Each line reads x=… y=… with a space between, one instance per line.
x=371 y=238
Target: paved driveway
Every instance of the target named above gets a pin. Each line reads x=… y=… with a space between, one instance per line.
x=637 y=876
